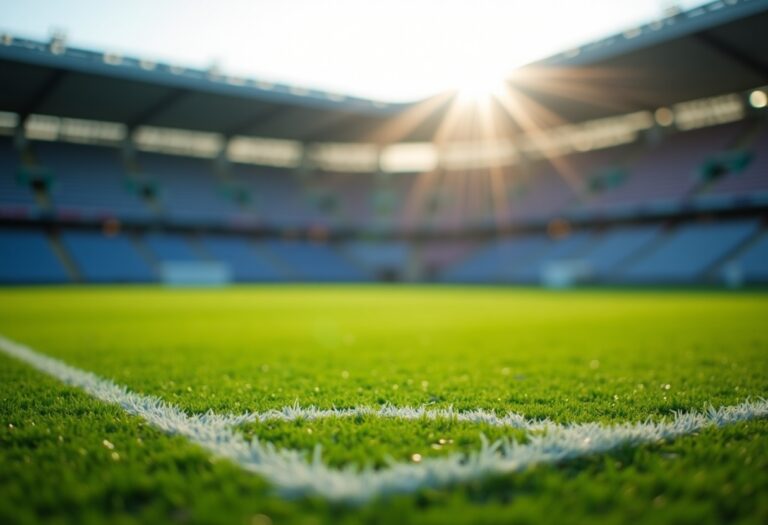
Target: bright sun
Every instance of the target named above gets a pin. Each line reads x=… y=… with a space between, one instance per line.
x=476 y=86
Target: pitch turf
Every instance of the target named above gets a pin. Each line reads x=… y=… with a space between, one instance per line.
x=607 y=356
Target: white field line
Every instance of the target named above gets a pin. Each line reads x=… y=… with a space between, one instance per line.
x=479 y=416
x=293 y=474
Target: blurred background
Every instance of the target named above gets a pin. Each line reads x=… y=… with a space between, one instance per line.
x=455 y=142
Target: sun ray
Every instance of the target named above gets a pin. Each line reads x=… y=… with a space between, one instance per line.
x=527 y=112
x=612 y=88
x=495 y=175
x=399 y=127
x=485 y=113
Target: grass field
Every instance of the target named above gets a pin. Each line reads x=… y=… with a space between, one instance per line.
x=587 y=356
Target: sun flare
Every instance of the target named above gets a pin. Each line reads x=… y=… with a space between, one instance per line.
x=477 y=87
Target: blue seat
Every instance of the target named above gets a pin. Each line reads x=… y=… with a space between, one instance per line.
x=16 y=199
x=616 y=247
x=753 y=263
x=170 y=247
x=379 y=256
x=89 y=181
x=102 y=258
x=314 y=262
x=188 y=190
x=497 y=260
x=529 y=271
x=246 y=263
x=688 y=252
x=27 y=257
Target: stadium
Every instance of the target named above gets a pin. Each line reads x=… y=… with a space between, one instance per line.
x=231 y=300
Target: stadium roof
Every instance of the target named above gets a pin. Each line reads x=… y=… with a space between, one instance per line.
x=714 y=49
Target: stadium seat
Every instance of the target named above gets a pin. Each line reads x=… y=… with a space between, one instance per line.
x=188 y=191
x=26 y=257
x=616 y=246
x=379 y=257
x=314 y=262
x=689 y=251
x=437 y=255
x=169 y=247
x=750 y=184
x=101 y=258
x=276 y=195
x=497 y=260
x=543 y=194
x=752 y=264
x=666 y=174
x=530 y=271
x=246 y=263
x=88 y=181
x=16 y=199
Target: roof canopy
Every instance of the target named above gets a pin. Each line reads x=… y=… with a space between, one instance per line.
x=718 y=48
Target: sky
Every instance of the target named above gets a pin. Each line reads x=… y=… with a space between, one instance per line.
x=391 y=50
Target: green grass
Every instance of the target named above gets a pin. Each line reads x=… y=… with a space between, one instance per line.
x=576 y=356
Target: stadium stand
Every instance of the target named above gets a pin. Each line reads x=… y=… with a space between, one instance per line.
x=187 y=191
x=750 y=265
x=170 y=247
x=543 y=194
x=748 y=181
x=88 y=181
x=26 y=257
x=617 y=246
x=668 y=173
x=16 y=196
x=191 y=195
x=106 y=258
x=247 y=264
x=687 y=252
x=641 y=199
x=437 y=255
x=311 y=261
x=384 y=259
x=555 y=250
x=499 y=258
x=274 y=196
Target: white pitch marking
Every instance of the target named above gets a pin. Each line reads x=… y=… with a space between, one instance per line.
x=478 y=416
x=294 y=475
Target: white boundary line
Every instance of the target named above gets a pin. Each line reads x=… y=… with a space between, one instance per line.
x=294 y=475
x=479 y=416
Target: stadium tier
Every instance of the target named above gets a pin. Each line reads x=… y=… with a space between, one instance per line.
x=101 y=258
x=690 y=250
x=87 y=181
x=617 y=246
x=17 y=198
x=272 y=196
x=164 y=247
x=26 y=257
x=750 y=263
x=246 y=261
x=106 y=220
x=387 y=260
x=186 y=190
x=313 y=262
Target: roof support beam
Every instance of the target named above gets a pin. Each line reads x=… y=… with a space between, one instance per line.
x=254 y=120
x=756 y=66
x=158 y=106
x=41 y=95
x=331 y=124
